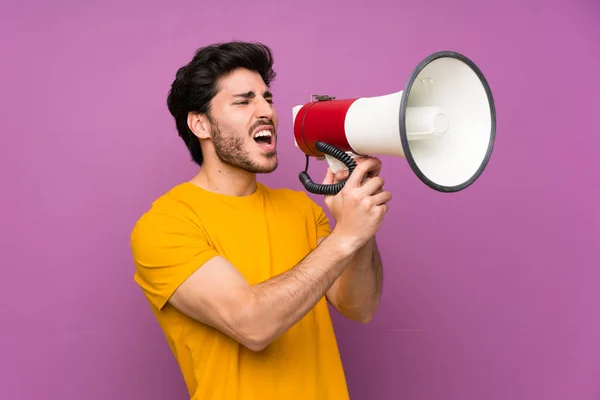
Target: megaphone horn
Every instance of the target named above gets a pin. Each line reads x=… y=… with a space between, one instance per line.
x=443 y=123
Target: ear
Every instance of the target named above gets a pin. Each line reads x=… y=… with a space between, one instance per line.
x=199 y=125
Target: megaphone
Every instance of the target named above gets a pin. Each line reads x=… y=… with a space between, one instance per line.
x=443 y=123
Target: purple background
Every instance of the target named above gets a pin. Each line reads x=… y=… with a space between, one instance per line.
x=491 y=293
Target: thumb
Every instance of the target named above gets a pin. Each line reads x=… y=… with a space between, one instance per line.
x=328 y=177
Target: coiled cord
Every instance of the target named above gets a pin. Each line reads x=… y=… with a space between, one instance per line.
x=327 y=189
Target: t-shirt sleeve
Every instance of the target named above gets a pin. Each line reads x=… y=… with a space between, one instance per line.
x=321 y=220
x=167 y=248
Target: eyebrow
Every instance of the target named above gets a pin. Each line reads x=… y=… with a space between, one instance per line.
x=250 y=94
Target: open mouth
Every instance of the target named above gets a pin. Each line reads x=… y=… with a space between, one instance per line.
x=264 y=137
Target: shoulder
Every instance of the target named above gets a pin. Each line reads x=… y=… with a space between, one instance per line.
x=170 y=211
x=174 y=201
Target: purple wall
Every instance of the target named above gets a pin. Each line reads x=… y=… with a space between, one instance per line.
x=491 y=293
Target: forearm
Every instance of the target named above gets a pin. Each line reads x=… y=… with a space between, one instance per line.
x=357 y=292
x=277 y=304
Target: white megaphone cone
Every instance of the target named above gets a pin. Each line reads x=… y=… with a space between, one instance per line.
x=443 y=123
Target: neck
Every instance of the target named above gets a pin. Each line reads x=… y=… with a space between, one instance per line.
x=224 y=179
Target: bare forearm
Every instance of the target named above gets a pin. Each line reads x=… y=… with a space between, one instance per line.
x=356 y=294
x=278 y=303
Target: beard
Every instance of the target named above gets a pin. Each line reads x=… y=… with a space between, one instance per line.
x=229 y=148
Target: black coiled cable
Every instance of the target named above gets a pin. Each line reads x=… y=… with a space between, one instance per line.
x=327 y=189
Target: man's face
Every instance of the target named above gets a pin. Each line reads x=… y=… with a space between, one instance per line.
x=244 y=123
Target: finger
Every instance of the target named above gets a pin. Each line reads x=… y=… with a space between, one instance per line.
x=360 y=172
x=373 y=171
x=382 y=197
x=376 y=169
x=366 y=179
x=359 y=159
x=328 y=177
x=341 y=175
x=372 y=185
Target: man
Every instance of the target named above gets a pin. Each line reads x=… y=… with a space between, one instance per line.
x=238 y=274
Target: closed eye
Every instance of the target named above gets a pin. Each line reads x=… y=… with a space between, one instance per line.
x=239 y=103
x=268 y=96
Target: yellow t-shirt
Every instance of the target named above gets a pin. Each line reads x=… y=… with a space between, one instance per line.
x=263 y=235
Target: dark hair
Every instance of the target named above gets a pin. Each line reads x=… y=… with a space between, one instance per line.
x=196 y=83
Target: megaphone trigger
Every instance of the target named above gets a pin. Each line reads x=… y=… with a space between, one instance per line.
x=327 y=189
x=336 y=165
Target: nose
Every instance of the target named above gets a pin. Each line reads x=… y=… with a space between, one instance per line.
x=264 y=109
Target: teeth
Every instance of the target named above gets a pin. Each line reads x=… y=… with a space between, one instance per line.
x=263 y=133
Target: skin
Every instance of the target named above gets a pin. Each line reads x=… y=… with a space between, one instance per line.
x=356 y=293
x=346 y=265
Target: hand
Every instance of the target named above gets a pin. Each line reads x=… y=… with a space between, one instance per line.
x=343 y=174
x=359 y=207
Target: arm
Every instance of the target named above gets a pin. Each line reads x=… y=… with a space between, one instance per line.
x=176 y=264
x=216 y=294
x=356 y=293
